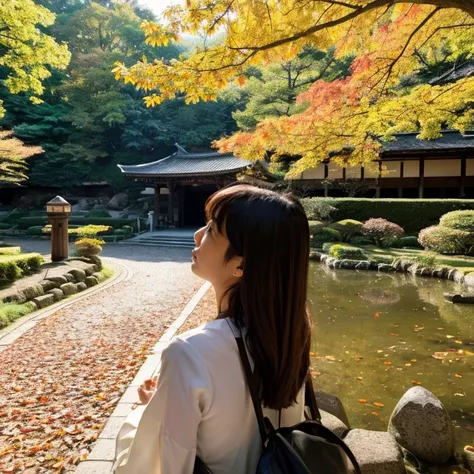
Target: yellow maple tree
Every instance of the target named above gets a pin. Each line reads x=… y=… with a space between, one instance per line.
x=389 y=38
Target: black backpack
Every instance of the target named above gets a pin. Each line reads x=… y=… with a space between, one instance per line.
x=305 y=448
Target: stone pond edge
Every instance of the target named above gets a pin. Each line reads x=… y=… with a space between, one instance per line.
x=400 y=266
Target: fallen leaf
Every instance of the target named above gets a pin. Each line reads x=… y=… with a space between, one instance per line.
x=440 y=329
x=17 y=388
x=458 y=341
x=362 y=400
x=312 y=354
x=413 y=360
x=374 y=413
x=469 y=353
x=458 y=376
x=377 y=315
x=394 y=334
x=448 y=336
x=407 y=365
x=378 y=404
x=358 y=378
x=459 y=395
x=379 y=351
x=439 y=355
x=358 y=358
x=387 y=362
x=416 y=382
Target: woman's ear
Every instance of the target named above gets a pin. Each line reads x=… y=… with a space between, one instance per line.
x=239 y=268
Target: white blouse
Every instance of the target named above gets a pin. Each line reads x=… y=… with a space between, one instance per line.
x=201 y=406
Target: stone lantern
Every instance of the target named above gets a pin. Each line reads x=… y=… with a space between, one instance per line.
x=58 y=210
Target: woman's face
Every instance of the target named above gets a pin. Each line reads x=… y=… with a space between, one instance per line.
x=209 y=257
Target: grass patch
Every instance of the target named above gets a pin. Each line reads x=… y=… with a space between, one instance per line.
x=10 y=312
x=10 y=251
x=107 y=272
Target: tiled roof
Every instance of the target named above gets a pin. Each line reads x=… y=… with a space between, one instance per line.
x=182 y=163
x=407 y=142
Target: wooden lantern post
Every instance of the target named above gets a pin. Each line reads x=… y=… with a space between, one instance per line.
x=58 y=210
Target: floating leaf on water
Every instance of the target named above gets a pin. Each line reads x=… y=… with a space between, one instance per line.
x=448 y=336
x=407 y=365
x=362 y=400
x=379 y=351
x=458 y=376
x=358 y=358
x=312 y=354
x=374 y=413
x=440 y=329
x=459 y=395
x=387 y=362
x=394 y=334
x=458 y=341
x=378 y=404
x=331 y=358
x=377 y=315
x=469 y=353
x=416 y=382
x=439 y=355
x=413 y=360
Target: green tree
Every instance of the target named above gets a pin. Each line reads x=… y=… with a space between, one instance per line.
x=272 y=90
x=25 y=50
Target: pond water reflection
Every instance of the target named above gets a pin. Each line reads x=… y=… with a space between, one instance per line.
x=375 y=335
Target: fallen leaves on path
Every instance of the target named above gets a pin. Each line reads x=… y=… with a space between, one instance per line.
x=60 y=382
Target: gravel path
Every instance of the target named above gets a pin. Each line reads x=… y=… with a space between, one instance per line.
x=60 y=381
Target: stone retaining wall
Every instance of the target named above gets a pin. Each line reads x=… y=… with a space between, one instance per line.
x=400 y=265
x=55 y=288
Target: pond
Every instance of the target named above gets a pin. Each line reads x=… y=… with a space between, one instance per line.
x=376 y=335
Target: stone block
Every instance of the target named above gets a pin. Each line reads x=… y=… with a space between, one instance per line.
x=331 y=404
x=91 y=281
x=421 y=424
x=70 y=278
x=333 y=423
x=384 y=267
x=17 y=297
x=469 y=280
x=44 y=300
x=57 y=293
x=33 y=291
x=377 y=452
x=59 y=280
x=103 y=450
x=48 y=285
x=100 y=276
x=78 y=274
x=94 y=467
x=69 y=289
x=81 y=286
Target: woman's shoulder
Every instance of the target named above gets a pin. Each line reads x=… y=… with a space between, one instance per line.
x=208 y=339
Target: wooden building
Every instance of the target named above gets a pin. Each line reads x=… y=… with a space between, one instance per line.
x=408 y=167
x=183 y=181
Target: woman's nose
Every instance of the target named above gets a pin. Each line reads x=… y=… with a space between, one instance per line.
x=198 y=236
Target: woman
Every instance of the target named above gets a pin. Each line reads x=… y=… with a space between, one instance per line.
x=254 y=250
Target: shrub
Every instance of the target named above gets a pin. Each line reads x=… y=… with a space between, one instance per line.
x=88 y=247
x=426 y=260
x=327 y=246
x=15 y=215
x=411 y=214
x=348 y=228
x=36 y=230
x=91 y=230
x=363 y=240
x=128 y=229
x=98 y=213
x=10 y=250
x=347 y=252
x=10 y=312
x=119 y=232
x=410 y=241
x=13 y=267
x=324 y=234
x=445 y=240
x=459 y=220
x=26 y=222
x=317 y=209
x=382 y=231
x=314 y=227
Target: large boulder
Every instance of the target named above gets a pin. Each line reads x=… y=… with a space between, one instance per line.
x=33 y=291
x=100 y=277
x=91 y=281
x=118 y=202
x=331 y=404
x=81 y=286
x=333 y=423
x=57 y=293
x=78 y=274
x=69 y=289
x=377 y=452
x=57 y=280
x=44 y=300
x=421 y=424
x=48 y=285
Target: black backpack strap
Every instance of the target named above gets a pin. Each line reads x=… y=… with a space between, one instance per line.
x=252 y=388
x=310 y=399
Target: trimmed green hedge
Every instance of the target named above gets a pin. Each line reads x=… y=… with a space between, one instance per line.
x=13 y=267
x=411 y=214
x=324 y=234
x=459 y=220
x=342 y=252
x=10 y=250
x=26 y=222
x=5 y=226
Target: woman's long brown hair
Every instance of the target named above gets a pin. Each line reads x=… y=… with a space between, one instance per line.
x=270 y=231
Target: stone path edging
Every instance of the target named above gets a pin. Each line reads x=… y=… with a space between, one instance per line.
x=15 y=330
x=100 y=460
